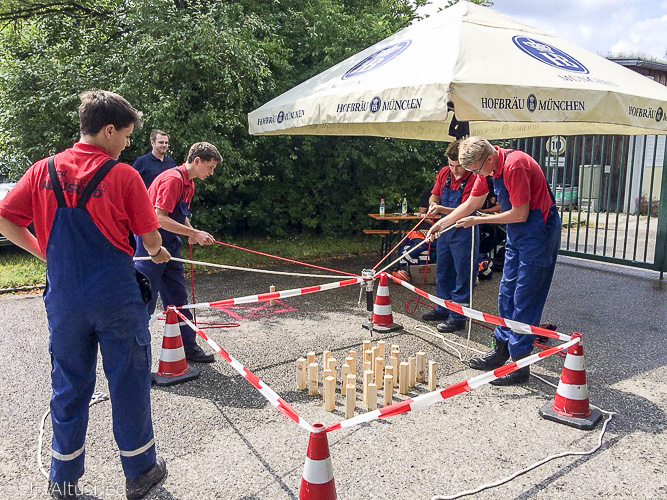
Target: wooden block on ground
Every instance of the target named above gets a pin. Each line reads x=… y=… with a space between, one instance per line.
x=372 y=403
x=313 y=376
x=403 y=378
x=329 y=393
x=388 y=389
x=412 y=371
x=421 y=366
x=301 y=374
x=350 y=401
x=432 y=367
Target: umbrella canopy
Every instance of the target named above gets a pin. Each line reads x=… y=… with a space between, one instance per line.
x=506 y=79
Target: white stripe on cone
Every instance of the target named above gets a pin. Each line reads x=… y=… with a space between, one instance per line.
x=318 y=471
x=575 y=363
x=574 y=392
x=381 y=310
x=171 y=330
x=172 y=355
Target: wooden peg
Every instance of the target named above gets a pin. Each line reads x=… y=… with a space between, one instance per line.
x=403 y=378
x=368 y=378
x=301 y=376
x=352 y=380
x=412 y=371
x=332 y=366
x=350 y=401
x=329 y=393
x=313 y=382
x=394 y=364
x=344 y=372
x=366 y=347
x=272 y=289
x=311 y=357
x=327 y=373
x=432 y=367
x=366 y=366
x=376 y=353
x=368 y=355
x=421 y=366
x=382 y=349
x=388 y=388
x=395 y=347
x=349 y=361
x=379 y=369
x=353 y=355
x=372 y=403
x=326 y=356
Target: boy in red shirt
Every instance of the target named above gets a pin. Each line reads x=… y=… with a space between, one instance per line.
x=83 y=203
x=170 y=194
x=528 y=209
x=452 y=276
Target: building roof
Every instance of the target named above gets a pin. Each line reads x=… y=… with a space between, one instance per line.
x=639 y=63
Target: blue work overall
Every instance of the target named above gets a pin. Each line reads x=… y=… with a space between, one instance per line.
x=92 y=298
x=531 y=250
x=168 y=278
x=452 y=271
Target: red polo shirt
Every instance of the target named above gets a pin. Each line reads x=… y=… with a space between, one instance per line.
x=523 y=180
x=454 y=184
x=119 y=205
x=166 y=189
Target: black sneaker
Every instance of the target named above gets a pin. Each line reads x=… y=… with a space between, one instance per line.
x=451 y=325
x=197 y=355
x=63 y=490
x=138 y=487
x=435 y=315
x=519 y=376
x=492 y=359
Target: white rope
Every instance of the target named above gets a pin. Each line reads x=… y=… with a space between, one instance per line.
x=535 y=465
x=266 y=271
x=449 y=343
x=98 y=397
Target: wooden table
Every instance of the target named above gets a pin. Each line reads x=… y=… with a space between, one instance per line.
x=392 y=230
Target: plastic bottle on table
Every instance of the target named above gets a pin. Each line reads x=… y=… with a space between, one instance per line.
x=382 y=207
x=404 y=206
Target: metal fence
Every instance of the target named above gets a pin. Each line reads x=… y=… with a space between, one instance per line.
x=612 y=195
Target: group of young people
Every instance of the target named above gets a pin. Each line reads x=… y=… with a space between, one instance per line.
x=84 y=203
x=532 y=226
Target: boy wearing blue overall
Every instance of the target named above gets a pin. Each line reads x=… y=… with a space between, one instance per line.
x=533 y=227
x=171 y=193
x=452 y=187
x=83 y=203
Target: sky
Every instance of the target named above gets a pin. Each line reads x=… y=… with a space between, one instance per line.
x=628 y=27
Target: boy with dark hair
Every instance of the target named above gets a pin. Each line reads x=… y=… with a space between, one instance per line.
x=171 y=194
x=452 y=273
x=83 y=203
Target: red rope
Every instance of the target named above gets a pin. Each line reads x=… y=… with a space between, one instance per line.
x=397 y=244
x=418 y=300
x=285 y=259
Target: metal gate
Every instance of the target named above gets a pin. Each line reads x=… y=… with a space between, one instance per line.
x=612 y=195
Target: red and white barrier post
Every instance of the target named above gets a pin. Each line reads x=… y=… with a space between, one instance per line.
x=570 y=405
x=317 y=482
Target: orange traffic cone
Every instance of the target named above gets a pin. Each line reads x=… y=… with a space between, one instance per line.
x=317 y=482
x=383 y=319
x=173 y=368
x=570 y=405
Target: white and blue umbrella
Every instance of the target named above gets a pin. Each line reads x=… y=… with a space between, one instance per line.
x=505 y=79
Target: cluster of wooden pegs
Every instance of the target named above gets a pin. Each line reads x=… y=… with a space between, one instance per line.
x=375 y=374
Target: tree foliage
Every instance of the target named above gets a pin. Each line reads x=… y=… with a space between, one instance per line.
x=196 y=68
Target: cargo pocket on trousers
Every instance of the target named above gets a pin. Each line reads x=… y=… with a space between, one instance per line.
x=142 y=349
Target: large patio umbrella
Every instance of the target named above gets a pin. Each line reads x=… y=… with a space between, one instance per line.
x=506 y=79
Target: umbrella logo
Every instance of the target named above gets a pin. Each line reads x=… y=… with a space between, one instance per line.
x=281 y=116
x=658 y=114
x=376 y=103
x=377 y=59
x=548 y=54
x=531 y=102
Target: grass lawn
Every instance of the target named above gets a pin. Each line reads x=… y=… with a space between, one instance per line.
x=18 y=268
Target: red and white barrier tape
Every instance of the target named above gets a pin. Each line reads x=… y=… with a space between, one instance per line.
x=452 y=390
x=253 y=379
x=515 y=326
x=262 y=297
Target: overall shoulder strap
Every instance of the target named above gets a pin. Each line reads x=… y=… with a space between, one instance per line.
x=93 y=183
x=180 y=198
x=55 y=183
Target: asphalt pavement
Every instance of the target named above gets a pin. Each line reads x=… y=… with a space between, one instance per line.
x=222 y=439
